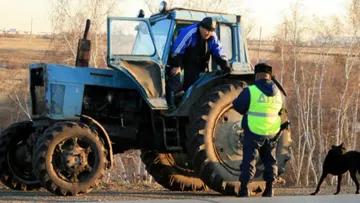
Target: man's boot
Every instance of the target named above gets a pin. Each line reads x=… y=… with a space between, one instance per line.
x=244 y=190
x=268 y=190
x=170 y=98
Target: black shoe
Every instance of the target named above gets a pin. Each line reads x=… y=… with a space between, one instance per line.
x=170 y=99
x=244 y=190
x=268 y=192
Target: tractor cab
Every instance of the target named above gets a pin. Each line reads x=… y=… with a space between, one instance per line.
x=140 y=47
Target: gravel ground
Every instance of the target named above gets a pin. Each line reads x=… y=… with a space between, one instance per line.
x=145 y=191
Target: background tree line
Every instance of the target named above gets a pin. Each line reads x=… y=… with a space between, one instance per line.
x=323 y=85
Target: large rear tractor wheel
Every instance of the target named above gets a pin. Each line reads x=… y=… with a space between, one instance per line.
x=172 y=170
x=69 y=159
x=15 y=157
x=215 y=141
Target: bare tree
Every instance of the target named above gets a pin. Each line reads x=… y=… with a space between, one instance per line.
x=226 y=6
x=353 y=23
x=280 y=40
x=325 y=39
x=305 y=80
x=295 y=28
x=68 y=20
x=207 y=5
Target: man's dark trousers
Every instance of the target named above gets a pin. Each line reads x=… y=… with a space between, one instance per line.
x=191 y=75
x=255 y=145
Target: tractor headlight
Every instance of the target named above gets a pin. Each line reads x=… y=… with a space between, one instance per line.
x=57 y=98
x=163 y=7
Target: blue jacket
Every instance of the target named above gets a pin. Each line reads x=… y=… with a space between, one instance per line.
x=188 y=37
x=242 y=102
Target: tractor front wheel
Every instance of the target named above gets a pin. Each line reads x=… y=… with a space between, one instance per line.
x=69 y=159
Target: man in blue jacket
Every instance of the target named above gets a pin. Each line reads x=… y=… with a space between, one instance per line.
x=260 y=105
x=191 y=52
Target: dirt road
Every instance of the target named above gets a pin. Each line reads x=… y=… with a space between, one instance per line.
x=146 y=192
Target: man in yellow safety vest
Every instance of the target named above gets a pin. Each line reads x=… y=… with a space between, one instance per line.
x=260 y=105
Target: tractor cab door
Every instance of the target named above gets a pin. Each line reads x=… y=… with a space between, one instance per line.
x=137 y=52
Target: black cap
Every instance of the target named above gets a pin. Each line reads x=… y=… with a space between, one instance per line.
x=208 y=23
x=263 y=68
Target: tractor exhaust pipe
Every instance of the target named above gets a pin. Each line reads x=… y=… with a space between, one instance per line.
x=84 y=46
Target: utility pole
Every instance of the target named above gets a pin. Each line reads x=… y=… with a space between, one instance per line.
x=258 y=58
x=31 y=26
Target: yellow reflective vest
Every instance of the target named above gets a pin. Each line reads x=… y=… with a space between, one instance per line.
x=263 y=114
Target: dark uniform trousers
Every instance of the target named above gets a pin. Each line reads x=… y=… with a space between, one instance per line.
x=191 y=74
x=253 y=146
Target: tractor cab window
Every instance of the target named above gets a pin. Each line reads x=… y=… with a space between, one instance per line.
x=131 y=38
x=226 y=40
x=160 y=31
x=241 y=35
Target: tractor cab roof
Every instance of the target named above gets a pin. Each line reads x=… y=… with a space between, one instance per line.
x=184 y=14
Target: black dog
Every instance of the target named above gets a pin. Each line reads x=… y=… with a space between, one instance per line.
x=337 y=162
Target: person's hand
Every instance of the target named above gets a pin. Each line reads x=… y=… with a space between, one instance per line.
x=224 y=71
x=175 y=71
x=286 y=125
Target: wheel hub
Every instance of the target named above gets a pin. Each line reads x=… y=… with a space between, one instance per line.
x=228 y=138
x=236 y=138
x=73 y=159
x=76 y=159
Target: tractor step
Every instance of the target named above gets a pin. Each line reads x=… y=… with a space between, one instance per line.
x=171 y=134
x=170 y=130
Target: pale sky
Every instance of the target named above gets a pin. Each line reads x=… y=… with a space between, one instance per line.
x=266 y=13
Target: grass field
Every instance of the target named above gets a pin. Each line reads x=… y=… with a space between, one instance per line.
x=18 y=53
x=24 y=43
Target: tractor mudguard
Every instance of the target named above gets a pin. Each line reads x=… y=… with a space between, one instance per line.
x=207 y=81
x=103 y=134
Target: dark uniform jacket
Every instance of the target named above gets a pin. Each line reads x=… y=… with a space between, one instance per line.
x=242 y=102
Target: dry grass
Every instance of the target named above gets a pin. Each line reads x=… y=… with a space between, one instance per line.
x=18 y=53
x=24 y=43
x=9 y=78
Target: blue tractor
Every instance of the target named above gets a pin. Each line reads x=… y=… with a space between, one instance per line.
x=82 y=116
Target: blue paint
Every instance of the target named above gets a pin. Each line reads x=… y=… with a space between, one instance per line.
x=86 y=76
x=65 y=86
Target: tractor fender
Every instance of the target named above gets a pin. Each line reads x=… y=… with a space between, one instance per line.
x=103 y=134
x=201 y=86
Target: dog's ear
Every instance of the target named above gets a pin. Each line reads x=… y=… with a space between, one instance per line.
x=341 y=145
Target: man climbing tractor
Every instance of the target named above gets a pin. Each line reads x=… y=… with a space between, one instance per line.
x=191 y=52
